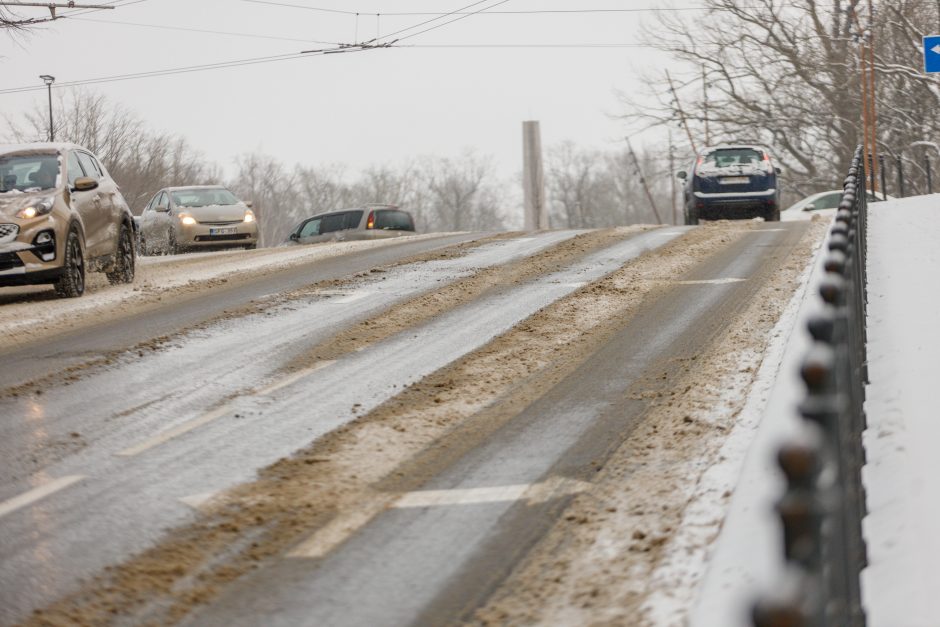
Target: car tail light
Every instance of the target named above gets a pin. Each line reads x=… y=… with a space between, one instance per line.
x=370 y=221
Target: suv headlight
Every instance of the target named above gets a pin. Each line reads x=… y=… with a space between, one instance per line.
x=249 y=215
x=38 y=207
x=188 y=220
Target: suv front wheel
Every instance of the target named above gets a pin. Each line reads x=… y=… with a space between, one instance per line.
x=123 y=268
x=72 y=282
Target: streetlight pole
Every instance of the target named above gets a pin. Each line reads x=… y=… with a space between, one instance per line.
x=49 y=80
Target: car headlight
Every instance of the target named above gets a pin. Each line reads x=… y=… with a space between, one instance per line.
x=39 y=207
x=249 y=215
x=187 y=220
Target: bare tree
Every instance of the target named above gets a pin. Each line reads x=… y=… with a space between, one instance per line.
x=787 y=73
x=462 y=194
x=140 y=160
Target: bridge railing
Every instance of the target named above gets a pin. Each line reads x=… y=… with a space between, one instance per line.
x=822 y=508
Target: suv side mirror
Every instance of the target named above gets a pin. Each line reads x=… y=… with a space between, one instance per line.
x=249 y=204
x=681 y=174
x=294 y=237
x=161 y=208
x=84 y=184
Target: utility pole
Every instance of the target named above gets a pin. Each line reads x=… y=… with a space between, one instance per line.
x=708 y=135
x=49 y=80
x=872 y=100
x=672 y=179
x=649 y=195
x=685 y=122
x=533 y=177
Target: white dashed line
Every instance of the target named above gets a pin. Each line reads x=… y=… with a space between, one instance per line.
x=293 y=378
x=175 y=432
x=28 y=498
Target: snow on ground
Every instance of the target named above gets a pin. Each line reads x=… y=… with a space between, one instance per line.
x=902 y=477
x=901 y=584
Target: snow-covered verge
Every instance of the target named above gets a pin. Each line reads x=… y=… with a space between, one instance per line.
x=747 y=557
x=902 y=478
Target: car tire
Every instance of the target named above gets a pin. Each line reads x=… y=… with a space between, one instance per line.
x=691 y=216
x=772 y=216
x=72 y=282
x=123 y=268
x=171 y=247
x=251 y=246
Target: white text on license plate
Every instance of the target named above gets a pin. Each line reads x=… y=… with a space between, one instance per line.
x=734 y=180
x=226 y=231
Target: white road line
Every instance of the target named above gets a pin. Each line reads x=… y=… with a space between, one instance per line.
x=198 y=501
x=344 y=526
x=339 y=529
x=28 y=498
x=293 y=378
x=467 y=496
x=177 y=431
x=711 y=282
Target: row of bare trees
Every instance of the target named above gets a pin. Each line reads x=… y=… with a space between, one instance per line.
x=787 y=73
x=587 y=188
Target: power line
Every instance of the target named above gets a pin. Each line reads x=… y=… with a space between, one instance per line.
x=207 y=31
x=462 y=16
x=191 y=68
x=503 y=12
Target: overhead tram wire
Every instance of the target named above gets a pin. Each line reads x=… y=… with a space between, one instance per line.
x=503 y=12
x=189 y=69
x=210 y=32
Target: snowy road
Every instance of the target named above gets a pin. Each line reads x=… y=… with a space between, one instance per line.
x=404 y=415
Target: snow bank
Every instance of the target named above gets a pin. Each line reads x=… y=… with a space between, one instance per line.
x=902 y=477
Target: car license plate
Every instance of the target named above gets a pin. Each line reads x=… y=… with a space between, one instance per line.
x=226 y=231
x=735 y=180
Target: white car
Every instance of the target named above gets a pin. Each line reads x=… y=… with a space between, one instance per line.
x=821 y=204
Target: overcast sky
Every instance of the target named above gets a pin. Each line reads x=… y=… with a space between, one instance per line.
x=376 y=106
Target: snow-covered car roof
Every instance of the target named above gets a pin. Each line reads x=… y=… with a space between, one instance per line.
x=39 y=147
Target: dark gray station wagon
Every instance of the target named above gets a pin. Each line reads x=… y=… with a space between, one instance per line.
x=366 y=222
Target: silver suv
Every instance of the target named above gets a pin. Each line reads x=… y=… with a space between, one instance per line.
x=366 y=222
x=61 y=214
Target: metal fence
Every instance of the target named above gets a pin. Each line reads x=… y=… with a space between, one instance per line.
x=824 y=503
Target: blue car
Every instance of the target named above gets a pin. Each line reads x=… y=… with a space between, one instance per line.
x=732 y=182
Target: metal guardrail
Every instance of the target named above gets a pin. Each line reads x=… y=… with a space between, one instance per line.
x=824 y=503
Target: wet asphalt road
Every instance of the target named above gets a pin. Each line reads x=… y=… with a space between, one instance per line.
x=119 y=487
x=433 y=564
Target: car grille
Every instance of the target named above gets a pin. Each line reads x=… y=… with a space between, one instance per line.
x=8 y=233
x=222 y=238
x=223 y=223
x=8 y=261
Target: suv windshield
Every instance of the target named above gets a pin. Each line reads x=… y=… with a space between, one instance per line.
x=203 y=197
x=28 y=173
x=728 y=157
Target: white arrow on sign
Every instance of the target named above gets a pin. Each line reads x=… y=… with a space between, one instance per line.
x=936 y=49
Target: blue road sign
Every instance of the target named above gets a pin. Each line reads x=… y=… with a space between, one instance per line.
x=932 y=54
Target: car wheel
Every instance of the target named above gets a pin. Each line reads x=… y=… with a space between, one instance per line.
x=171 y=248
x=773 y=215
x=691 y=216
x=72 y=282
x=123 y=271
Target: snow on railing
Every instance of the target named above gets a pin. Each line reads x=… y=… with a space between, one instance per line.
x=822 y=508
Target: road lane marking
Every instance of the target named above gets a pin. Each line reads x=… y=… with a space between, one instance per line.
x=711 y=282
x=199 y=501
x=293 y=378
x=466 y=496
x=341 y=528
x=175 y=432
x=531 y=492
x=28 y=498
